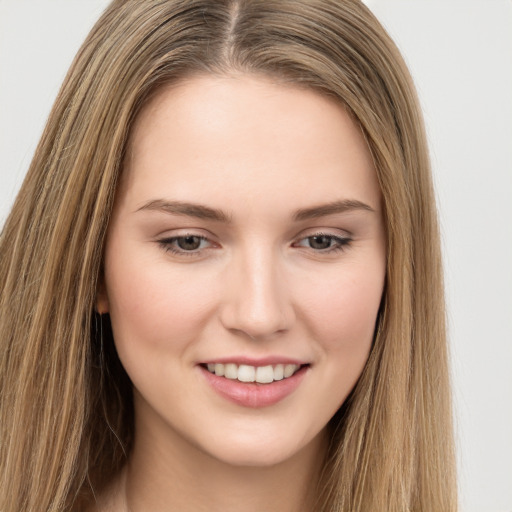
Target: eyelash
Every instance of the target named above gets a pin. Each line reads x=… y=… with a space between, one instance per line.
x=167 y=245
x=339 y=244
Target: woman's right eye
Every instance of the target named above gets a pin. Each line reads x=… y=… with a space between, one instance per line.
x=187 y=245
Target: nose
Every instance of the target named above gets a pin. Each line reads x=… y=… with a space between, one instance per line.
x=257 y=298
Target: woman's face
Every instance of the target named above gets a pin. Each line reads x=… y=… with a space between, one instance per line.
x=246 y=243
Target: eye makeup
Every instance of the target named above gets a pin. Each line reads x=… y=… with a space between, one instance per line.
x=191 y=244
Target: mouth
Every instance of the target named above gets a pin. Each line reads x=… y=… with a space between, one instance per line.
x=254 y=386
x=259 y=374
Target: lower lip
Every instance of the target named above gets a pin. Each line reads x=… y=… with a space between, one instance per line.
x=253 y=394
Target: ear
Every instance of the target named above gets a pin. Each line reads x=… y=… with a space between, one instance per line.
x=102 y=305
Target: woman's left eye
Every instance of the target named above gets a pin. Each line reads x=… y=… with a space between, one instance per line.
x=324 y=243
x=193 y=245
x=187 y=244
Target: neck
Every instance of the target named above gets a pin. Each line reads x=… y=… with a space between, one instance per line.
x=166 y=474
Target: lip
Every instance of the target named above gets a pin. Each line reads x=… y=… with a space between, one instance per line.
x=252 y=361
x=253 y=394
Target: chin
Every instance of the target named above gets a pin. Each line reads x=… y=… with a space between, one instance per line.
x=259 y=451
x=253 y=458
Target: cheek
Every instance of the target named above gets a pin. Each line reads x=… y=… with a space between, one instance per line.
x=153 y=307
x=340 y=317
x=343 y=314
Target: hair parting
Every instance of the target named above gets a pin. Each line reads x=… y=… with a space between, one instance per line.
x=60 y=377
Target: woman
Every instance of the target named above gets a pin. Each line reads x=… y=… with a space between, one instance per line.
x=221 y=281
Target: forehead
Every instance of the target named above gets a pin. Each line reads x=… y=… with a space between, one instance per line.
x=214 y=138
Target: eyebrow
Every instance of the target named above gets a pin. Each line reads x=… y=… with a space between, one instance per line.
x=343 y=206
x=200 y=211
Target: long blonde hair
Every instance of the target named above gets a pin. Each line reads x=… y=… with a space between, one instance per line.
x=65 y=401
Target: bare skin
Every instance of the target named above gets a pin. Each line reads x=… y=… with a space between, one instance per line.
x=214 y=488
x=247 y=232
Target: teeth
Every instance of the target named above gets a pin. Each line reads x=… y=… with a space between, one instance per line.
x=264 y=374
x=260 y=374
x=230 y=371
x=246 y=373
x=279 y=372
x=289 y=370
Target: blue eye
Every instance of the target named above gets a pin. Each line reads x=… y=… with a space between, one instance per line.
x=321 y=242
x=187 y=244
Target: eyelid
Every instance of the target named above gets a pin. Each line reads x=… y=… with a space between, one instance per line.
x=341 y=241
x=327 y=231
x=166 y=243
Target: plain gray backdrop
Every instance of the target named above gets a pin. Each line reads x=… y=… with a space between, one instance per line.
x=460 y=54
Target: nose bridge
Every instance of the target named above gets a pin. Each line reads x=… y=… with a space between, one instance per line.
x=258 y=301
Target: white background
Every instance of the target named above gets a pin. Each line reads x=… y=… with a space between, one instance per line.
x=460 y=54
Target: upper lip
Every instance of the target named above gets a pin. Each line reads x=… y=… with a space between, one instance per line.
x=256 y=361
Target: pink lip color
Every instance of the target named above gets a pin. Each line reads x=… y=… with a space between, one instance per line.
x=252 y=361
x=252 y=394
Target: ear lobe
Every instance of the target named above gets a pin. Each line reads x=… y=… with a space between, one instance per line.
x=102 y=305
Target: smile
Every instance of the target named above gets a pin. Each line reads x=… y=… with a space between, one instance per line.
x=259 y=374
x=254 y=386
